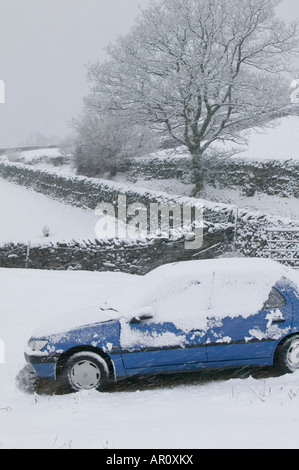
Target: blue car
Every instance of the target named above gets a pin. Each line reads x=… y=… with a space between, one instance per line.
x=181 y=317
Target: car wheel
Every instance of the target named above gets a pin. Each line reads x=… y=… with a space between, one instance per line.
x=85 y=371
x=288 y=355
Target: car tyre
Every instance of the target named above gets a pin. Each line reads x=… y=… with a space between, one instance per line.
x=84 y=371
x=287 y=355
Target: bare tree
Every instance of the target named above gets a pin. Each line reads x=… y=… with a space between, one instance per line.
x=201 y=69
x=101 y=141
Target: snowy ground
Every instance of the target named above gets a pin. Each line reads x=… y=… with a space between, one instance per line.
x=280 y=206
x=192 y=413
x=24 y=213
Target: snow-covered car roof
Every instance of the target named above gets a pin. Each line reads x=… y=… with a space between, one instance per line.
x=187 y=294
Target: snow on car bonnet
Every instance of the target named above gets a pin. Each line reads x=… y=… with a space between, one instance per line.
x=188 y=293
x=73 y=319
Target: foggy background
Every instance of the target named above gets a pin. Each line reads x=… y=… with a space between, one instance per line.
x=44 y=47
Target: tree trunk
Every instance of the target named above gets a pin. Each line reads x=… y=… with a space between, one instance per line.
x=198 y=173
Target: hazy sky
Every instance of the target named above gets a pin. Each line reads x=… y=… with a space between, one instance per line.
x=44 y=45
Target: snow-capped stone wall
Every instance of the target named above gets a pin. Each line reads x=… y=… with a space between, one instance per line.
x=225 y=228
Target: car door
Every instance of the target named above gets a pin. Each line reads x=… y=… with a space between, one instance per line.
x=250 y=339
x=174 y=338
x=161 y=347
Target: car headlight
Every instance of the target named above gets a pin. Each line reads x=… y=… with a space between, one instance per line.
x=37 y=344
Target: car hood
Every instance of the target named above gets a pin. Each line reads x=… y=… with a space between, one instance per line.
x=76 y=319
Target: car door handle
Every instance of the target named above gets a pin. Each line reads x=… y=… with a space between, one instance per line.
x=278 y=320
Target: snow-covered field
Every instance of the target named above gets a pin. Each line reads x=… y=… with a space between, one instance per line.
x=280 y=206
x=192 y=413
x=24 y=214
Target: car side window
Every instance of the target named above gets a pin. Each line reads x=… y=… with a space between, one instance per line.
x=275 y=300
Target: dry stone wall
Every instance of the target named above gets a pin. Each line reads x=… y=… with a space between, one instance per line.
x=224 y=230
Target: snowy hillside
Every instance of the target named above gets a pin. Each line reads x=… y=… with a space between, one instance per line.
x=195 y=412
x=30 y=156
x=279 y=142
x=42 y=158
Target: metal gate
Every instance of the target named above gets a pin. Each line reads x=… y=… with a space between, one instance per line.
x=283 y=246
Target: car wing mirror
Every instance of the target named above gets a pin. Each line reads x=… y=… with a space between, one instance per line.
x=141 y=319
x=142 y=315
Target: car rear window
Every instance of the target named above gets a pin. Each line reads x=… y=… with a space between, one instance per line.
x=275 y=300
